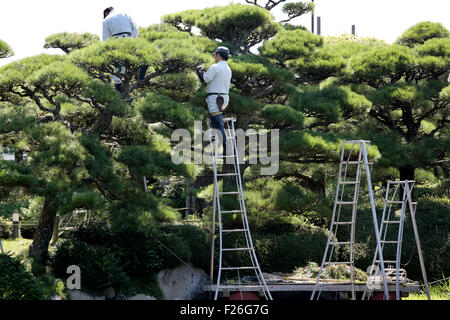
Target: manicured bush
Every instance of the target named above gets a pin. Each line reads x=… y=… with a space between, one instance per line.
x=15 y=282
x=197 y=240
x=5 y=229
x=433 y=225
x=99 y=267
x=109 y=259
x=27 y=231
x=286 y=252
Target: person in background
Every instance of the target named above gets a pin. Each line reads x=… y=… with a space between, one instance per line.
x=218 y=80
x=119 y=25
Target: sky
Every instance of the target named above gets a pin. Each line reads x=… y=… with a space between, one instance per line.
x=24 y=25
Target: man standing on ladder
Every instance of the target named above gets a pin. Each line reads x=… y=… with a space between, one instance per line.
x=218 y=79
x=120 y=25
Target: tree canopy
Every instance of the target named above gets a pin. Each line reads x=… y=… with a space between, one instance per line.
x=80 y=144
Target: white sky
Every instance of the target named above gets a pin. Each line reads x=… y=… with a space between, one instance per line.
x=24 y=25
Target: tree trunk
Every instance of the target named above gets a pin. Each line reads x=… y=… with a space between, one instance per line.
x=39 y=247
x=102 y=123
x=406 y=172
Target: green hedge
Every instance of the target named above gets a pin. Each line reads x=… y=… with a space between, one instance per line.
x=433 y=224
x=123 y=260
x=15 y=282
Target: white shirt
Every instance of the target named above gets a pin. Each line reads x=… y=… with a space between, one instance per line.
x=218 y=78
x=117 y=22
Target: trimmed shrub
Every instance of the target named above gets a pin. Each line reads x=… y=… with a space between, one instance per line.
x=15 y=282
x=109 y=259
x=27 y=231
x=197 y=242
x=5 y=229
x=99 y=267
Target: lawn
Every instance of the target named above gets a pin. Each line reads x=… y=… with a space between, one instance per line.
x=438 y=291
x=18 y=247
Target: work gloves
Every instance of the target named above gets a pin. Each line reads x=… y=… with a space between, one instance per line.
x=200 y=72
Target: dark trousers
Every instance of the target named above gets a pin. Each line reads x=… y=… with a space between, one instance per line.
x=142 y=72
x=217 y=123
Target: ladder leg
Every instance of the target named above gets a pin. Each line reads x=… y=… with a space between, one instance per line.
x=213 y=229
x=375 y=222
x=330 y=232
x=416 y=234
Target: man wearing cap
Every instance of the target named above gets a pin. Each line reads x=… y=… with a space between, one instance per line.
x=218 y=79
x=120 y=25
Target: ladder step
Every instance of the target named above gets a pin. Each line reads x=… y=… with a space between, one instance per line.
x=386 y=261
x=230 y=192
x=352 y=162
x=240 y=268
x=343 y=222
x=336 y=262
x=394 y=202
x=346 y=202
x=385 y=241
x=230 y=156
x=230 y=211
x=228 y=119
x=227 y=174
x=340 y=242
x=236 y=249
x=235 y=230
x=392 y=221
x=349 y=182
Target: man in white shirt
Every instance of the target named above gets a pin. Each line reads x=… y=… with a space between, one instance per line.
x=117 y=24
x=120 y=25
x=218 y=79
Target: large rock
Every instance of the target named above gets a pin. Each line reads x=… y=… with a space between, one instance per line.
x=80 y=295
x=182 y=283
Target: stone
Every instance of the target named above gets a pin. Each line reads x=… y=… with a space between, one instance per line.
x=80 y=295
x=141 y=297
x=182 y=283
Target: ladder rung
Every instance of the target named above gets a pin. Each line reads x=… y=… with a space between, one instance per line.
x=236 y=249
x=346 y=202
x=229 y=192
x=230 y=156
x=340 y=262
x=239 y=268
x=394 y=202
x=342 y=222
x=349 y=182
x=392 y=221
x=390 y=241
x=235 y=230
x=386 y=261
x=340 y=242
x=230 y=211
x=352 y=162
x=227 y=174
x=228 y=119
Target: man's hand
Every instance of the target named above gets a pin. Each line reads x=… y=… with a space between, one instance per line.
x=200 y=72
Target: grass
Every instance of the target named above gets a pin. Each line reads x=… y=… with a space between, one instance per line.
x=438 y=291
x=17 y=247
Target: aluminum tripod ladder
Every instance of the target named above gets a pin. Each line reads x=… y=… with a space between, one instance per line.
x=231 y=156
x=394 y=198
x=353 y=159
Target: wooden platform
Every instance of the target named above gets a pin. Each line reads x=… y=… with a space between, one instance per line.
x=405 y=288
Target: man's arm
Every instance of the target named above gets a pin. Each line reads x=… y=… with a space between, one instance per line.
x=106 y=33
x=209 y=75
x=134 y=29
